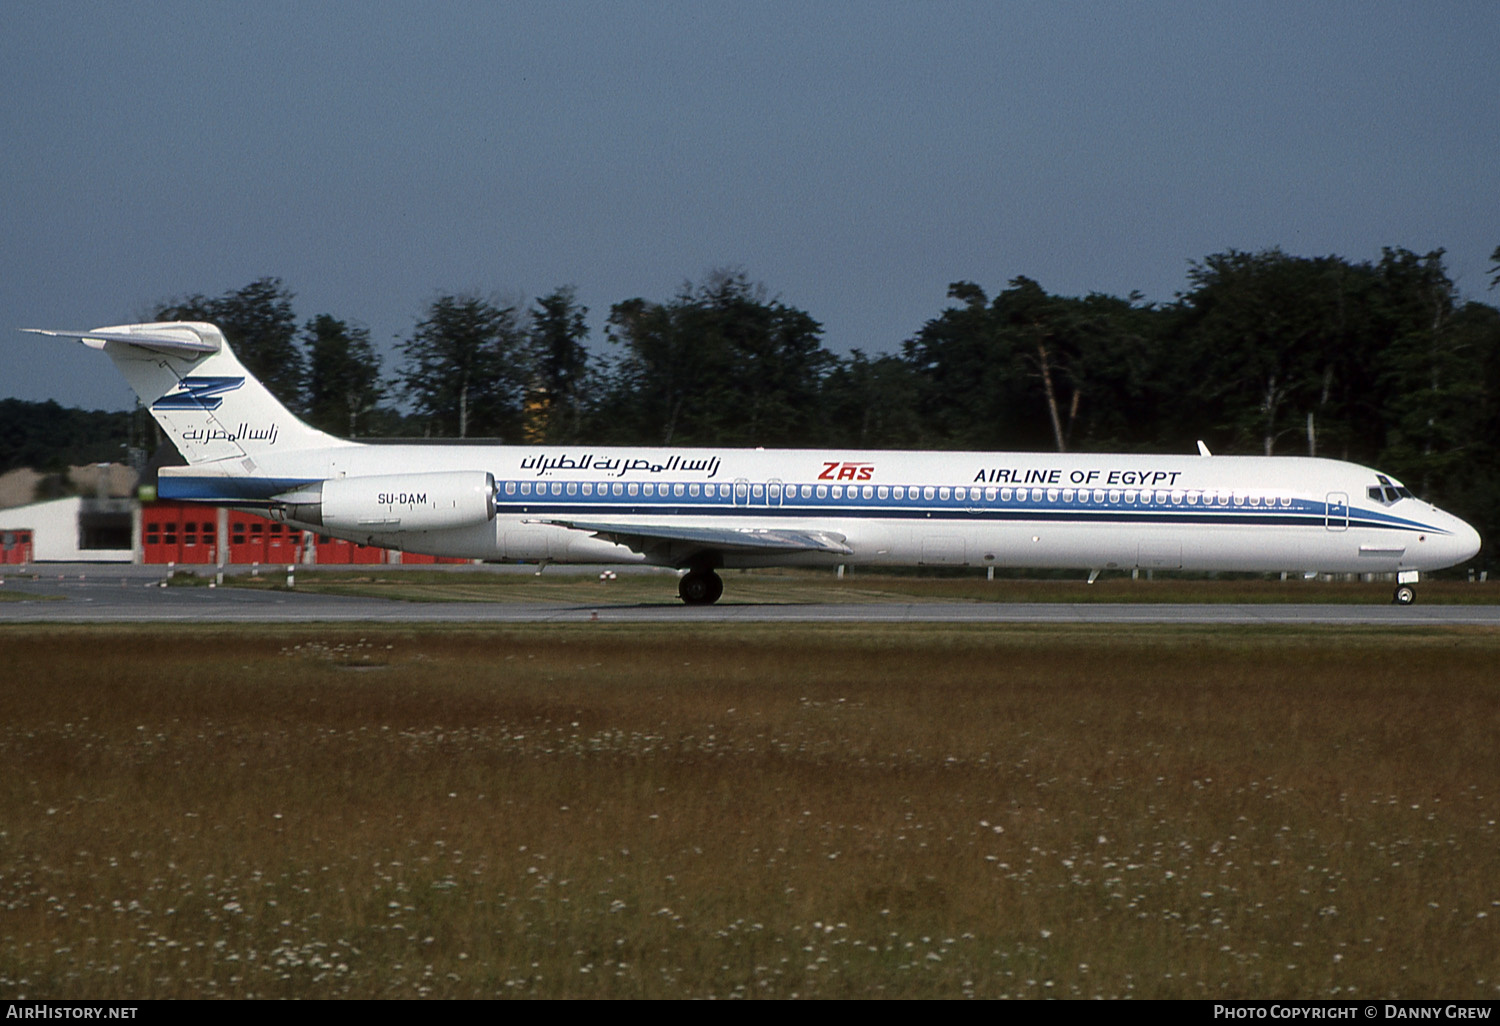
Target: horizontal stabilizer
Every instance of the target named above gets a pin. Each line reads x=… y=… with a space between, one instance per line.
x=220 y=417
x=644 y=537
x=178 y=339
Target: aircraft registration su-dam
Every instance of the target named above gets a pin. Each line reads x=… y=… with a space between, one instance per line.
x=703 y=510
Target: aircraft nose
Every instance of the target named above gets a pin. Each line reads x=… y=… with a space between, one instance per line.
x=1465 y=541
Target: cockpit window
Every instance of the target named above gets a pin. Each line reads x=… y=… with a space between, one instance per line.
x=1388 y=491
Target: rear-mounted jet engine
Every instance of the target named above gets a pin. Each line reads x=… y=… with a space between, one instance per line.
x=398 y=502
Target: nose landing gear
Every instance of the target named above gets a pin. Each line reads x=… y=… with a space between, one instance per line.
x=1405 y=595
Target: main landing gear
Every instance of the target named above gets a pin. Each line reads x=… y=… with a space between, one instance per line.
x=700 y=587
x=1405 y=595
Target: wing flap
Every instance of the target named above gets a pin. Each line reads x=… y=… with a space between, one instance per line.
x=644 y=538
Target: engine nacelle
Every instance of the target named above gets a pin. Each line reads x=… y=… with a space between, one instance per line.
x=395 y=502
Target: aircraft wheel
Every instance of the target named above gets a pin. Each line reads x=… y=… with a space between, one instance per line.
x=1405 y=595
x=700 y=588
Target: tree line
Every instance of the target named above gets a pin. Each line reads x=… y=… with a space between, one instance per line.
x=1380 y=362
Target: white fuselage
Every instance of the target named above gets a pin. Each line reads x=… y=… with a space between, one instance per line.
x=898 y=508
x=703 y=509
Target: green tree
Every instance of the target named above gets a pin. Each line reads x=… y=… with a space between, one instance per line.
x=258 y=322
x=465 y=368
x=1030 y=369
x=343 y=376
x=719 y=364
x=1112 y=368
x=560 y=367
x=1274 y=341
x=872 y=404
x=1470 y=485
x=970 y=378
x=50 y=438
x=1433 y=397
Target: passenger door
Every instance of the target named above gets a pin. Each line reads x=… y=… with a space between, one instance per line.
x=1337 y=515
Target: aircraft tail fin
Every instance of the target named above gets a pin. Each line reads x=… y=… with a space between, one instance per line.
x=212 y=408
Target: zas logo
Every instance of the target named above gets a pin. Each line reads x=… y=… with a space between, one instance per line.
x=834 y=471
x=198 y=394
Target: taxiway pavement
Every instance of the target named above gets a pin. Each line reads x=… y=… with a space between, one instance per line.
x=117 y=596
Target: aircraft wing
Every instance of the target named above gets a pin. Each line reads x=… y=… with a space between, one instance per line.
x=653 y=539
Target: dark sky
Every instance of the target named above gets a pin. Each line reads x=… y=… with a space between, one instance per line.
x=854 y=157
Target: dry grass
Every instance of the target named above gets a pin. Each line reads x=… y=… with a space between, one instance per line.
x=730 y=811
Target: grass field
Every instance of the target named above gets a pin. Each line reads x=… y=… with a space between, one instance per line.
x=822 y=587
x=749 y=811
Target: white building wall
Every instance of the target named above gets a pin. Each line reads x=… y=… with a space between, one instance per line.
x=55 y=533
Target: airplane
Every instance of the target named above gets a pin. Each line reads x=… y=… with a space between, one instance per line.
x=701 y=510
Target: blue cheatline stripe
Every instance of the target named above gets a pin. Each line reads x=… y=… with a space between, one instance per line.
x=228 y=489
x=1301 y=513
x=1028 y=515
